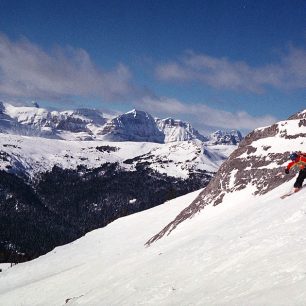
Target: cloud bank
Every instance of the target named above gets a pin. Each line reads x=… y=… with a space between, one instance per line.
x=205 y=116
x=221 y=73
x=29 y=72
x=26 y=70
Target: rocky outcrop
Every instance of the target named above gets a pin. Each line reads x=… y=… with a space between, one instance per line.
x=299 y=115
x=260 y=156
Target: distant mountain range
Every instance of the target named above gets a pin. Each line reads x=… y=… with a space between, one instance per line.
x=65 y=173
x=91 y=124
x=235 y=242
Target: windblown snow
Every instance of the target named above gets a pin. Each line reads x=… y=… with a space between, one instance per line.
x=250 y=250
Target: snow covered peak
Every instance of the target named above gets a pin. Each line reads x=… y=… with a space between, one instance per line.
x=27 y=115
x=133 y=126
x=36 y=121
x=91 y=124
x=137 y=113
x=255 y=241
x=177 y=130
x=224 y=137
x=299 y=115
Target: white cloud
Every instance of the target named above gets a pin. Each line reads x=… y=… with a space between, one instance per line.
x=221 y=73
x=204 y=116
x=26 y=70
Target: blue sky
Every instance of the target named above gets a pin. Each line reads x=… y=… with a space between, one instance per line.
x=229 y=64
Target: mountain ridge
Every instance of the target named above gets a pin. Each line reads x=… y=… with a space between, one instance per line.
x=73 y=187
x=87 y=184
x=249 y=164
x=91 y=124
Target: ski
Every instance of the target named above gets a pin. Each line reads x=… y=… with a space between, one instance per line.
x=287 y=194
x=290 y=193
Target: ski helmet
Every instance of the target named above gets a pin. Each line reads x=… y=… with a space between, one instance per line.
x=293 y=156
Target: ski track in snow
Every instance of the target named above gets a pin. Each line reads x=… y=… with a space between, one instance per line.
x=249 y=250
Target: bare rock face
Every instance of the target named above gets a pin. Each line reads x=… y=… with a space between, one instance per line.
x=299 y=115
x=260 y=156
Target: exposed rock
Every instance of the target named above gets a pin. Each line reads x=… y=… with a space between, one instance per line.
x=260 y=156
x=299 y=115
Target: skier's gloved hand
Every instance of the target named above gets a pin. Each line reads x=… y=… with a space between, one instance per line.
x=287 y=171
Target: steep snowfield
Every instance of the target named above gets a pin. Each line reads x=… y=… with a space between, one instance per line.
x=249 y=250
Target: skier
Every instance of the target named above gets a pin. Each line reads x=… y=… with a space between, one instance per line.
x=297 y=159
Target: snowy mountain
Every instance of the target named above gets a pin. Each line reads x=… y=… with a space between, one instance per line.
x=62 y=182
x=133 y=126
x=91 y=124
x=29 y=156
x=71 y=125
x=7 y=124
x=254 y=166
x=55 y=191
x=177 y=130
x=223 y=137
x=232 y=245
x=248 y=251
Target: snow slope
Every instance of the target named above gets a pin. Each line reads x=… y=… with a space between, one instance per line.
x=249 y=250
x=32 y=155
x=259 y=160
x=4 y=266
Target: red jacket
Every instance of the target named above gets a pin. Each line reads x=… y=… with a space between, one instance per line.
x=300 y=162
